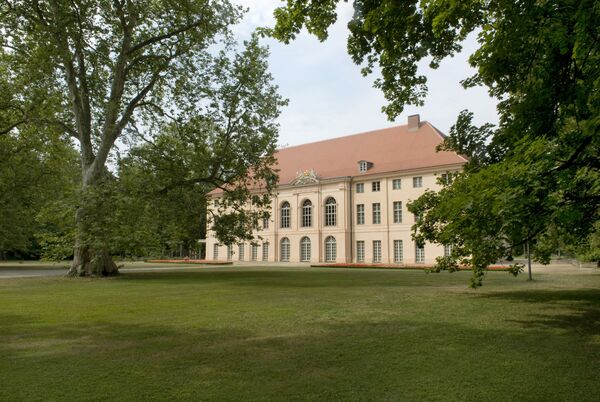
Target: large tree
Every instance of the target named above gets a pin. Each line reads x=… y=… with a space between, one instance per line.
x=100 y=70
x=164 y=178
x=533 y=178
x=38 y=174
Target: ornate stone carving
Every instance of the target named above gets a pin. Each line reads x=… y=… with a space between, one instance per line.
x=305 y=177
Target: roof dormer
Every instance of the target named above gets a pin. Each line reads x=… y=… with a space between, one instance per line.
x=363 y=166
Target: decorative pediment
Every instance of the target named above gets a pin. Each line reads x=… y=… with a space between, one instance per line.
x=305 y=177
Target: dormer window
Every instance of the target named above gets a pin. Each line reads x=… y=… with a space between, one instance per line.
x=363 y=166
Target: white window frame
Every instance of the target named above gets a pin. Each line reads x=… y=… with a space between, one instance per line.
x=447 y=250
x=376 y=213
x=360 y=188
x=360 y=251
x=417 y=181
x=397 y=205
x=330 y=212
x=375 y=186
x=360 y=214
x=286 y=215
x=254 y=252
x=398 y=251
x=377 y=257
x=307 y=214
x=285 y=250
x=229 y=252
x=397 y=184
x=330 y=249
x=363 y=166
x=241 y=249
x=265 y=252
x=419 y=254
x=215 y=252
x=305 y=249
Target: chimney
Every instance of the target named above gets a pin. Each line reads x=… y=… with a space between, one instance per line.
x=414 y=122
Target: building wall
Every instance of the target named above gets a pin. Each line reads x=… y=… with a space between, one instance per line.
x=346 y=232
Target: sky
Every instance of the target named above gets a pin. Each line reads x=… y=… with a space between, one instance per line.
x=328 y=97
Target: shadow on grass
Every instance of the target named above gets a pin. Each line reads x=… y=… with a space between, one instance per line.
x=307 y=278
x=582 y=307
x=398 y=359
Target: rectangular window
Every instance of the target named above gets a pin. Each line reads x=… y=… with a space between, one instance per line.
x=360 y=214
x=330 y=212
x=265 y=252
x=445 y=178
x=285 y=216
x=363 y=166
x=376 y=213
x=216 y=203
x=360 y=251
x=241 y=252
x=306 y=214
x=215 y=252
x=375 y=186
x=360 y=187
x=396 y=184
x=229 y=252
x=417 y=181
x=397 y=211
x=419 y=254
x=376 y=250
x=447 y=250
x=254 y=252
x=398 y=251
x=265 y=223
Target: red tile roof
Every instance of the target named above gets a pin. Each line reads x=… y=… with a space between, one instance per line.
x=390 y=149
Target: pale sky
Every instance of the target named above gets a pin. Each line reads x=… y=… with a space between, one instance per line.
x=328 y=97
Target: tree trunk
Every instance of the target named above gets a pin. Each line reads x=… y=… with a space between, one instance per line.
x=89 y=261
x=528 y=261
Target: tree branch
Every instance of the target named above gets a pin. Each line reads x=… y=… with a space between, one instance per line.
x=167 y=35
x=11 y=127
x=67 y=57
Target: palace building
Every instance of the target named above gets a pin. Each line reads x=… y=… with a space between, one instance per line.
x=344 y=199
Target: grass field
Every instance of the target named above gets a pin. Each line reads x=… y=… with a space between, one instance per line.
x=234 y=333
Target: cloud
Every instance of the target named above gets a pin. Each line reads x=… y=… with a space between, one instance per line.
x=330 y=98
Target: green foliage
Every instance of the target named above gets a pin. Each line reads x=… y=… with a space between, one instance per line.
x=38 y=176
x=226 y=143
x=108 y=71
x=536 y=177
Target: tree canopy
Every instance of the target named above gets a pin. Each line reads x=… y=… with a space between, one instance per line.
x=535 y=177
x=112 y=73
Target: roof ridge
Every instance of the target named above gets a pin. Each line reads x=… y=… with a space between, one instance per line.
x=349 y=135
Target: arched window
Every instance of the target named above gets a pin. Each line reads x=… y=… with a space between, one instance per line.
x=285 y=215
x=285 y=250
x=330 y=249
x=330 y=212
x=306 y=214
x=305 y=249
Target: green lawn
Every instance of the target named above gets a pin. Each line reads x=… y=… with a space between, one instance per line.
x=300 y=334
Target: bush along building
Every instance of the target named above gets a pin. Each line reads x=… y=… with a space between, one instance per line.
x=344 y=200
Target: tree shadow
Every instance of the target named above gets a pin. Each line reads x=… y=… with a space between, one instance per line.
x=582 y=305
x=389 y=360
x=307 y=278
